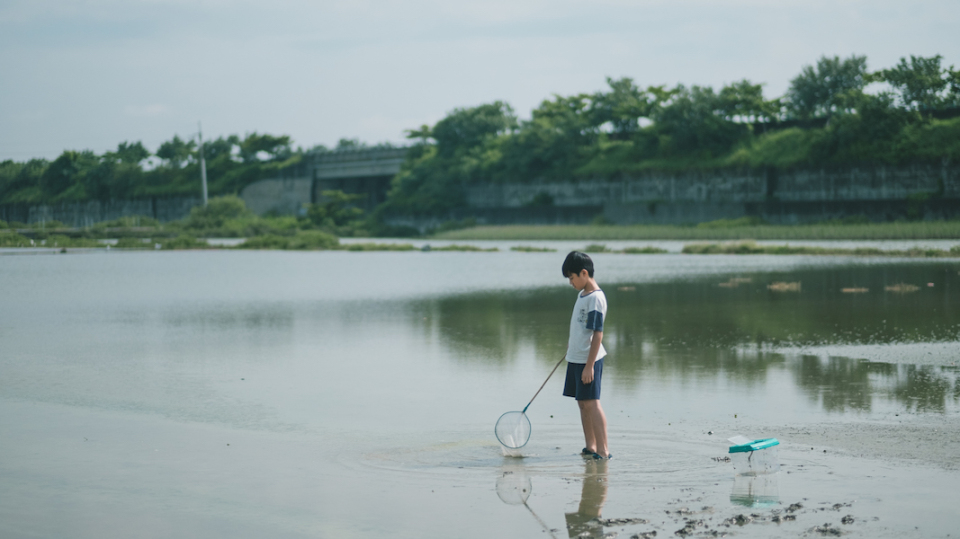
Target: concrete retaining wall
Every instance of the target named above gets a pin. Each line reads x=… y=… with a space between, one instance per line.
x=80 y=214
x=876 y=183
x=879 y=193
x=284 y=196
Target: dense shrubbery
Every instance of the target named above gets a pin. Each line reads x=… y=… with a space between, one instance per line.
x=305 y=240
x=830 y=116
x=182 y=241
x=15 y=240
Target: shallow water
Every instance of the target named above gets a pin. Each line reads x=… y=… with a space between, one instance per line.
x=339 y=394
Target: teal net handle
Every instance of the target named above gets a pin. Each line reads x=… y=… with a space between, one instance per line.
x=544 y=383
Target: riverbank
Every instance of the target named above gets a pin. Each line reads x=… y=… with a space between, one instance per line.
x=318 y=241
x=716 y=230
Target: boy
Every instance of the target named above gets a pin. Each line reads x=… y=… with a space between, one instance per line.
x=585 y=353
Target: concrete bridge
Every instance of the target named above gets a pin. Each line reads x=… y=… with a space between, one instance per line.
x=364 y=172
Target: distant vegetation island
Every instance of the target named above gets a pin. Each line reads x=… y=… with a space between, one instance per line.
x=835 y=113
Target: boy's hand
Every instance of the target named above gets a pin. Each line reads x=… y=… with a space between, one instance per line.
x=587 y=376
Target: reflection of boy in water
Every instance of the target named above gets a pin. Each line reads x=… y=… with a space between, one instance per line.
x=592 y=496
x=585 y=353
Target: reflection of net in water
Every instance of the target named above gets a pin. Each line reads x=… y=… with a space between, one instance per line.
x=513 y=430
x=514 y=487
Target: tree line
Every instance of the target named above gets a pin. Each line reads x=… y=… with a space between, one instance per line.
x=132 y=171
x=835 y=113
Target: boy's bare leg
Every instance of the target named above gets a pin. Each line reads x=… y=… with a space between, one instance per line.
x=586 y=420
x=594 y=426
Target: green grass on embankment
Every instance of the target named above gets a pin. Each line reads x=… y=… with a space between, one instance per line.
x=913 y=230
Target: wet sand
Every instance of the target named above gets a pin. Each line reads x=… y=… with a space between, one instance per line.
x=109 y=474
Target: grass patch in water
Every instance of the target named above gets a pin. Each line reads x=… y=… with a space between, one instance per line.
x=466 y=248
x=63 y=242
x=529 y=249
x=376 y=247
x=307 y=240
x=752 y=248
x=182 y=242
x=649 y=250
x=134 y=243
x=726 y=230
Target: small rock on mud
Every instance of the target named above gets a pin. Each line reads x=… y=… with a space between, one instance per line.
x=739 y=520
x=827 y=529
x=847 y=519
x=620 y=521
x=689 y=528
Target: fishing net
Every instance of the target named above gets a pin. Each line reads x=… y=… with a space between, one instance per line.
x=513 y=430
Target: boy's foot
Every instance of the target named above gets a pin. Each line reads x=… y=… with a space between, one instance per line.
x=586 y=452
x=597 y=456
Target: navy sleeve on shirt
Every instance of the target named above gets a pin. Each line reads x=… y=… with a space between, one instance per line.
x=595 y=320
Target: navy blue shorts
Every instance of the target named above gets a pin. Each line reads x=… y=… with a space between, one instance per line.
x=574 y=386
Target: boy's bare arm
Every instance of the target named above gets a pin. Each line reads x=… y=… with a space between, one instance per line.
x=587 y=376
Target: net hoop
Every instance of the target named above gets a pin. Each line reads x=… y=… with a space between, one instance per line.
x=513 y=430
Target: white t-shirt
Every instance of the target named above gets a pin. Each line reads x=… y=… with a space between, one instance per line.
x=588 y=315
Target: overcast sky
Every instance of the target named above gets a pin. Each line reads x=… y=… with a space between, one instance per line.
x=87 y=74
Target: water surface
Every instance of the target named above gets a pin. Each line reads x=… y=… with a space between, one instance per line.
x=341 y=394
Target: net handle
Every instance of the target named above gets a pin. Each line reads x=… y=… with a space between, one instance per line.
x=544 y=383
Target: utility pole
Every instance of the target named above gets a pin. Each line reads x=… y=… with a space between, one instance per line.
x=203 y=165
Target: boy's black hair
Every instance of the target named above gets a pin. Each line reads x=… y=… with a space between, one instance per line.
x=577 y=262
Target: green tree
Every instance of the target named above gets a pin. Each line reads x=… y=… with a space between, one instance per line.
x=922 y=84
x=213 y=149
x=553 y=143
x=869 y=136
x=422 y=135
x=827 y=89
x=349 y=145
x=693 y=123
x=20 y=182
x=337 y=209
x=64 y=178
x=622 y=107
x=130 y=153
x=176 y=151
x=466 y=128
x=218 y=211
x=743 y=101
x=277 y=148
